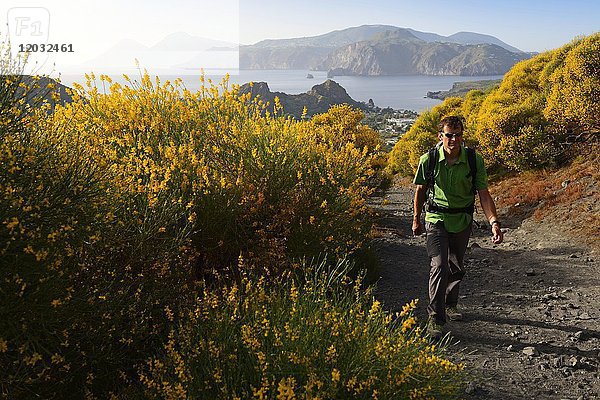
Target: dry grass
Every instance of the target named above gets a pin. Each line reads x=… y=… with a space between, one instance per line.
x=569 y=196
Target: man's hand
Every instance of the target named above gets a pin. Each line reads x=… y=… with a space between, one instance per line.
x=489 y=209
x=497 y=235
x=417 y=227
x=420 y=196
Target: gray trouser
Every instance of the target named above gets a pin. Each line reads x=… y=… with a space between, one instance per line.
x=446 y=251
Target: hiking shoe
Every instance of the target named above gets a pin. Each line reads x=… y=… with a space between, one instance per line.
x=453 y=314
x=434 y=330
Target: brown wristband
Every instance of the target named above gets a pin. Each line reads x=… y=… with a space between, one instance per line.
x=496 y=222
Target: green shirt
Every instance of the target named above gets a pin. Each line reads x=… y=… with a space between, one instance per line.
x=452 y=189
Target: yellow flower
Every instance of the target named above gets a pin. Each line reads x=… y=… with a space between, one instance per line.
x=31 y=361
x=335 y=375
x=12 y=223
x=260 y=394
x=331 y=353
x=375 y=308
x=409 y=307
x=169 y=313
x=285 y=389
x=408 y=323
x=57 y=358
x=294 y=293
x=3 y=346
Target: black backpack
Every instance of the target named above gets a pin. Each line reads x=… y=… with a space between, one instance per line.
x=430 y=176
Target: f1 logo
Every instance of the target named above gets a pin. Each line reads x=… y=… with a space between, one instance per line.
x=28 y=26
x=23 y=24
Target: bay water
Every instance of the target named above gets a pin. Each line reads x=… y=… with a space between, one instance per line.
x=399 y=92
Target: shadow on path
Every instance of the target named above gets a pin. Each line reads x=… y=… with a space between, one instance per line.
x=535 y=290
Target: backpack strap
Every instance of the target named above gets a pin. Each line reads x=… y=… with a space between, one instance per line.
x=473 y=166
x=434 y=156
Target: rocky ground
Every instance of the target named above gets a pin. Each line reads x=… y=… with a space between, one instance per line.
x=531 y=304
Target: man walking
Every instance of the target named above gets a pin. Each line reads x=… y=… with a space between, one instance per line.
x=448 y=178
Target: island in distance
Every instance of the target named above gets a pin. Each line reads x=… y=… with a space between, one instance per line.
x=460 y=89
x=389 y=123
x=385 y=50
x=317 y=100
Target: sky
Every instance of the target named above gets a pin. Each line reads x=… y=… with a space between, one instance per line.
x=530 y=25
x=93 y=26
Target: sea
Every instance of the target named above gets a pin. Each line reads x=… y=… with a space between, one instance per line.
x=405 y=92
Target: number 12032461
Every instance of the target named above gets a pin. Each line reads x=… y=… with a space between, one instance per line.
x=45 y=48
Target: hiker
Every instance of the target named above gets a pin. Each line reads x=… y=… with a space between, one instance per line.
x=448 y=177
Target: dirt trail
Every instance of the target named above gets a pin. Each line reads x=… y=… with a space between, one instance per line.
x=531 y=304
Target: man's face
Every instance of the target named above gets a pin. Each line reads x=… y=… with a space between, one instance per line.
x=451 y=143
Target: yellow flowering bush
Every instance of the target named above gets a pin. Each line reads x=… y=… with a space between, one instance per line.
x=541 y=106
x=111 y=207
x=541 y=101
x=516 y=105
x=315 y=334
x=47 y=209
x=78 y=302
x=250 y=183
x=575 y=86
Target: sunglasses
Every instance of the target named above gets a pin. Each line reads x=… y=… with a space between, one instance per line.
x=452 y=135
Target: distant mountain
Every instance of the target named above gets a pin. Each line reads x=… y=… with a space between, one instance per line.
x=427 y=36
x=401 y=52
x=175 y=51
x=220 y=58
x=127 y=45
x=223 y=48
x=317 y=100
x=463 y=38
x=122 y=55
x=304 y=52
x=331 y=39
x=293 y=57
x=182 y=41
x=385 y=50
x=478 y=38
x=38 y=91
